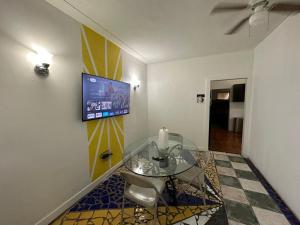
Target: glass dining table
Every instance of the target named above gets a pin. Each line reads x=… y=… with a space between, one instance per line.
x=144 y=158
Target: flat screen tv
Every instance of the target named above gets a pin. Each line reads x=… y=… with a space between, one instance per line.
x=102 y=97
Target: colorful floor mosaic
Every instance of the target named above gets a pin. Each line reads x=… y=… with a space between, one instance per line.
x=103 y=204
x=236 y=196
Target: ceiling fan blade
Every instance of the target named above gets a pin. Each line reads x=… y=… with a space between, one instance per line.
x=285 y=7
x=228 y=7
x=238 y=26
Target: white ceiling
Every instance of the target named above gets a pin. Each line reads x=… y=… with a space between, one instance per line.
x=163 y=30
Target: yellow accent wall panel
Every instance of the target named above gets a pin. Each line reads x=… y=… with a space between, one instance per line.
x=113 y=57
x=103 y=58
x=85 y=57
x=96 y=50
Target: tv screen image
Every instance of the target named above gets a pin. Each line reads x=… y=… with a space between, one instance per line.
x=102 y=97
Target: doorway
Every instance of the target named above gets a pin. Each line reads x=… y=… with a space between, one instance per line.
x=226 y=115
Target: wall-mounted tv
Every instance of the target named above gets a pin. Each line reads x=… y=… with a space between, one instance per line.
x=102 y=97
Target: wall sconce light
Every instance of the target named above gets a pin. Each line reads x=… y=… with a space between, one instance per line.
x=136 y=84
x=42 y=69
x=200 y=98
x=41 y=60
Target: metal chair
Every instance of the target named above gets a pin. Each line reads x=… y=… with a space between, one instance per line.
x=196 y=175
x=144 y=191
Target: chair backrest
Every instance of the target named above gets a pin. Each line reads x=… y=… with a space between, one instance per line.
x=140 y=181
x=176 y=137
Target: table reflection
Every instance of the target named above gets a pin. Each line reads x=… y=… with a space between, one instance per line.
x=141 y=158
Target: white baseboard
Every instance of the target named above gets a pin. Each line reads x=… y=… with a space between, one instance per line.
x=71 y=201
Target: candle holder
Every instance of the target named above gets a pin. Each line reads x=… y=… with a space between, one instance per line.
x=164 y=162
x=164 y=153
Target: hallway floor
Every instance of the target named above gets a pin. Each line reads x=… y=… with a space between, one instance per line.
x=236 y=196
x=222 y=140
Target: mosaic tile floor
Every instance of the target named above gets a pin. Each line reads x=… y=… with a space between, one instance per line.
x=235 y=197
x=246 y=200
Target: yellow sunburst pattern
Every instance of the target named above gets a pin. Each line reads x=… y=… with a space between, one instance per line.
x=103 y=58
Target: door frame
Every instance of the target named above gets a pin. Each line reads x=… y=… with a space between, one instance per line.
x=247 y=111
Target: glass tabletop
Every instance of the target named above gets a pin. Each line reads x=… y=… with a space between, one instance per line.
x=144 y=158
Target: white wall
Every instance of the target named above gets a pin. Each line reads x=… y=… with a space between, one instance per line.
x=275 y=121
x=136 y=123
x=236 y=109
x=43 y=143
x=173 y=87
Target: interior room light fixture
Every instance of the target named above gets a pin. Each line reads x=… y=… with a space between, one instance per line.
x=200 y=98
x=136 y=84
x=259 y=17
x=41 y=60
x=255 y=12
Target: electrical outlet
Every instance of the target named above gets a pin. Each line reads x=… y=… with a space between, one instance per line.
x=106 y=154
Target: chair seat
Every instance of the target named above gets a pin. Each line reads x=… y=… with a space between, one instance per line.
x=145 y=196
x=189 y=175
x=142 y=196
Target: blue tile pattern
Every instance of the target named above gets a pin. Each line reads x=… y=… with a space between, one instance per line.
x=104 y=203
x=108 y=195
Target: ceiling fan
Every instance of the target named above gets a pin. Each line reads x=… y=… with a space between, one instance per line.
x=258 y=11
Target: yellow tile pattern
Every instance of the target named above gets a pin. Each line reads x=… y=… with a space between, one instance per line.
x=131 y=216
x=137 y=215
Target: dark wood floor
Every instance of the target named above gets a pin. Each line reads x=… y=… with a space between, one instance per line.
x=225 y=141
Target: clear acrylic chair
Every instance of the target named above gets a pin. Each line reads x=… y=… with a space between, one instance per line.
x=196 y=175
x=176 y=137
x=144 y=191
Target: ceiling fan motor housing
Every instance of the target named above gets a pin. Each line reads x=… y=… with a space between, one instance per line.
x=259 y=16
x=256 y=3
